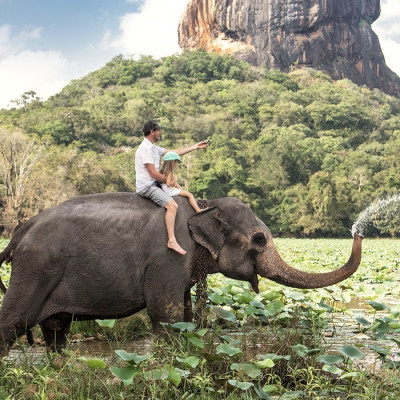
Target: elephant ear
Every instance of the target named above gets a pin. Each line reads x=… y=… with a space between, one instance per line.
x=206 y=230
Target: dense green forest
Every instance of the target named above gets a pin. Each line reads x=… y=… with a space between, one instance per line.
x=306 y=153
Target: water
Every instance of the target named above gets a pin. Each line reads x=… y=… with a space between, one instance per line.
x=342 y=330
x=386 y=209
x=90 y=347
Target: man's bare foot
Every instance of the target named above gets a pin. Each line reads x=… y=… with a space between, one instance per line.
x=173 y=245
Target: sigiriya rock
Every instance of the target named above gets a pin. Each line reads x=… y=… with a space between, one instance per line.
x=333 y=36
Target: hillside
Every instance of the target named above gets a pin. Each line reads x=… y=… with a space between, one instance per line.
x=306 y=153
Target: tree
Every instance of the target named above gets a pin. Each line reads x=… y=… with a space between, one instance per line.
x=305 y=152
x=25 y=99
x=33 y=177
x=18 y=156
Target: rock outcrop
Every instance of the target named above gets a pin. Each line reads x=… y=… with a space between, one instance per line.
x=334 y=36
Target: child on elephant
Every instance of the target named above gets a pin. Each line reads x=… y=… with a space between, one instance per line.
x=171 y=186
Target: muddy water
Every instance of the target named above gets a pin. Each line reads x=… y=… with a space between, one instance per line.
x=342 y=330
x=85 y=348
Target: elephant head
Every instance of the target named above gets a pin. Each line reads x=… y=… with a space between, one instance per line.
x=242 y=247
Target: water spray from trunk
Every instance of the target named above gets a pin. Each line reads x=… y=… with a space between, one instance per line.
x=380 y=210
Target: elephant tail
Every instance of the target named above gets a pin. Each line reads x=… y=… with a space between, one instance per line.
x=5 y=255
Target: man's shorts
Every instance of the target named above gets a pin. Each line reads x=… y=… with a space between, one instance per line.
x=156 y=194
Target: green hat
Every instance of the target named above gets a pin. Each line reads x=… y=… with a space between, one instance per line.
x=172 y=156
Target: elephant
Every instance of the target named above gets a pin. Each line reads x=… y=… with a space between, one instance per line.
x=105 y=256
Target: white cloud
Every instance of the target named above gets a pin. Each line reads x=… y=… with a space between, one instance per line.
x=390 y=10
x=391 y=51
x=11 y=43
x=386 y=27
x=5 y=45
x=22 y=70
x=45 y=72
x=151 y=31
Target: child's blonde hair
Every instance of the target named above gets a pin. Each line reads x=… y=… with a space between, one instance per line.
x=167 y=168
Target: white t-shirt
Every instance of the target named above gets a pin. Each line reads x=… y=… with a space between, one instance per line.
x=146 y=153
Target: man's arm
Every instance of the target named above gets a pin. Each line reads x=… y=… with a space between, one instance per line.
x=183 y=150
x=154 y=173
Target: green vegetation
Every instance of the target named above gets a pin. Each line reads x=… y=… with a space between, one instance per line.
x=280 y=344
x=307 y=154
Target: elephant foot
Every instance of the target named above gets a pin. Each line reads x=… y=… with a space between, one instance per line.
x=8 y=336
x=5 y=346
x=55 y=330
x=3 y=351
x=55 y=349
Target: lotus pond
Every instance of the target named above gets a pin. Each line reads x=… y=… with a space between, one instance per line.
x=339 y=342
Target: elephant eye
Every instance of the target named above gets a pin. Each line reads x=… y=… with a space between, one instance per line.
x=259 y=240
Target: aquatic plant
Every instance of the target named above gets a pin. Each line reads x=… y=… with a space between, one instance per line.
x=281 y=343
x=383 y=214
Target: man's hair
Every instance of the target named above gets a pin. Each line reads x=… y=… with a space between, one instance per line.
x=149 y=126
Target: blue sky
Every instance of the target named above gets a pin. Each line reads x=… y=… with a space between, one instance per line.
x=46 y=43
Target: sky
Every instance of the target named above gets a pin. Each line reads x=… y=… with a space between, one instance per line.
x=44 y=44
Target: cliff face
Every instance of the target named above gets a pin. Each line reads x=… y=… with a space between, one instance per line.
x=333 y=36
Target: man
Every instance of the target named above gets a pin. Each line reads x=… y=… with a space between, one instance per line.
x=148 y=177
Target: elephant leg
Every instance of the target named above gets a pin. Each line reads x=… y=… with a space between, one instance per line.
x=13 y=324
x=188 y=312
x=55 y=330
x=8 y=335
x=165 y=311
x=164 y=300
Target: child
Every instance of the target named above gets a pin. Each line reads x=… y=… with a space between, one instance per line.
x=171 y=186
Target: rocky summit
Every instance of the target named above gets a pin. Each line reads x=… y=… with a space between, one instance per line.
x=334 y=36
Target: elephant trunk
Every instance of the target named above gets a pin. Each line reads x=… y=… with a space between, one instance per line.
x=270 y=265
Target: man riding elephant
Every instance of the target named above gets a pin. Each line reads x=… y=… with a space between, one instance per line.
x=148 y=177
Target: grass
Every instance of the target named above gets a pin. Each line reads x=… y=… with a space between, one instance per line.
x=272 y=345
